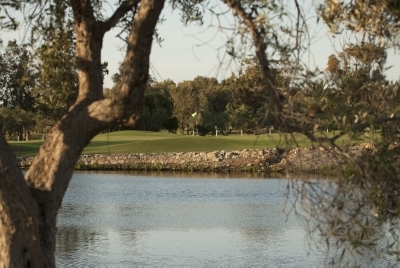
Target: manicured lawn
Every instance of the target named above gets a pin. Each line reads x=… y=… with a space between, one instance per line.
x=25 y=148
x=157 y=142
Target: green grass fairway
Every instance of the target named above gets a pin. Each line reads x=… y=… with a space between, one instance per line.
x=25 y=148
x=157 y=142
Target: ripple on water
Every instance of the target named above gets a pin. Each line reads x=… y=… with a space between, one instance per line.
x=111 y=219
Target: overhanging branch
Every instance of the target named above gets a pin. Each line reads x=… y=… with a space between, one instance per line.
x=124 y=8
x=260 y=47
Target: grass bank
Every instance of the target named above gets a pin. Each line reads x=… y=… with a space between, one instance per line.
x=158 y=142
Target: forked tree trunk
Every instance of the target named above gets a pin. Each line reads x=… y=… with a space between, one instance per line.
x=28 y=208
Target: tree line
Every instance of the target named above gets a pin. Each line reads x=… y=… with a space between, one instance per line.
x=36 y=92
x=35 y=88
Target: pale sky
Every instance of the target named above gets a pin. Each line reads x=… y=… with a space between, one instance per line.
x=187 y=52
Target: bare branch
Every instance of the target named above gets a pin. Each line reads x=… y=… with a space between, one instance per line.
x=260 y=47
x=124 y=8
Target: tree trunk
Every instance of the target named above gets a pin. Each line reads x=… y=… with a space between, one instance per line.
x=28 y=208
x=20 y=134
x=19 y=223
x=27 y=135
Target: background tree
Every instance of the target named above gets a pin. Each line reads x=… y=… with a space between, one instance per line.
x=16 y=81
x=241 y=118
x=188 y=99
x=214 y=116
x=16 y=122
x=16 y=78
x=57 y=76
x=164 y=88
x=247 y=87
x=248 y=97
x=158 y=108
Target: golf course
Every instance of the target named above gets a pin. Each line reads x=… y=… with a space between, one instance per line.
x=120 y=142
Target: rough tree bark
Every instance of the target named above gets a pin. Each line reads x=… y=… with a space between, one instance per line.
x=28 y=207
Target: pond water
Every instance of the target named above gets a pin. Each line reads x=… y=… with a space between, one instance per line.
x=179 y=219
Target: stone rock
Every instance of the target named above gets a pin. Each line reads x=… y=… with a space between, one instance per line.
x=261 y=159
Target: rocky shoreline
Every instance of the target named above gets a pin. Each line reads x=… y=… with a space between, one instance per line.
x=310 y=159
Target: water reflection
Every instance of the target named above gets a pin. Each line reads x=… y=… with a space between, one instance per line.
x=188 y=174
x=121 y=218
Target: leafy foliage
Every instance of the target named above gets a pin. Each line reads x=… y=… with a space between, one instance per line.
x=16 y=77
x=57 y=77
x=375 y=18
x=16 y=122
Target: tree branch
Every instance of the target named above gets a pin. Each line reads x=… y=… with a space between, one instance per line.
x=135 y=71
x=260 y=47
x=89 y=42
x=124 y=8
